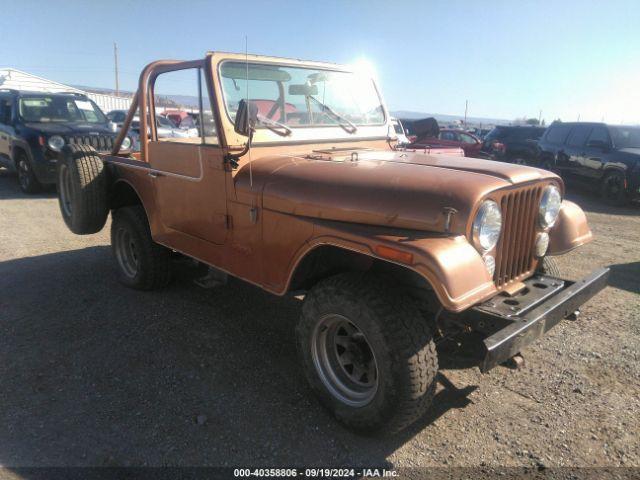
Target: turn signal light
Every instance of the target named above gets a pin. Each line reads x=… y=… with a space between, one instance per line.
x=393 y=254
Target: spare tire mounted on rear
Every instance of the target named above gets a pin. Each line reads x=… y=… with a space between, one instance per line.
x=82 y=189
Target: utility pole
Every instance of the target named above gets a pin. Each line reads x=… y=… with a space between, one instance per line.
x=466 y=106
x=540 y=118
x=115 y=60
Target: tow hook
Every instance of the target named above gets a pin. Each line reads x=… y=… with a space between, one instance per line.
x=515 y=363
x=574 y=316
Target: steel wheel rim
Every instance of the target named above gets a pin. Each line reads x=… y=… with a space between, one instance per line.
x=65 y=190
x=344 y=360
x=23 y=173
x=127 y=253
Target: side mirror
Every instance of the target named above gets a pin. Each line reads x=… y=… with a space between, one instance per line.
x=246 y=118
x=599 y=144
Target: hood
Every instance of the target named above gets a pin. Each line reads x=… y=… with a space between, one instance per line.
x=51 y=128
x=398 y=189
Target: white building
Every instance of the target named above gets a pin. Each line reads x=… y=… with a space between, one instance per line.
x=10 y=78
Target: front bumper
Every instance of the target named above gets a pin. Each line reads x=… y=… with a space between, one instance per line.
x=510 y=323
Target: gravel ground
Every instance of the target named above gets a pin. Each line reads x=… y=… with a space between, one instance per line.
x=95 y=374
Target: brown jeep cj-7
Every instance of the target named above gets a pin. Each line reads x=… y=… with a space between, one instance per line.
x=295 y=185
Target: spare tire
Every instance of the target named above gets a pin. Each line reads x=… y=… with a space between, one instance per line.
x=82 y=189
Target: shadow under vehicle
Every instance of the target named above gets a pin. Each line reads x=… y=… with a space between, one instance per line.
x=297 y=187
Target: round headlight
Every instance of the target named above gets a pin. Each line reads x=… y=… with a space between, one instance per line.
x=549 y=206
x=487 y=225
x=56 y=142
x=126 y=143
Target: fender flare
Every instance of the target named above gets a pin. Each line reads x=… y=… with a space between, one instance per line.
x=450 y=265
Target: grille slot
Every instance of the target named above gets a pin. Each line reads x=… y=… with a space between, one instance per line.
x=514 y=254
x=102 y=143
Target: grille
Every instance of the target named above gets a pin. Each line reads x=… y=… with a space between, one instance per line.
x=101 y=143
x=514 y=255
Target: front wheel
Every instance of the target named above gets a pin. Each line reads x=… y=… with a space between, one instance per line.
x=367 y=352
x=614 y=190
x=142 y=263
x=26 y=176
x=549 y=266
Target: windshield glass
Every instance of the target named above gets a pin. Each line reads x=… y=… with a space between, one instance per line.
x=52 y=108
x=625 y=137
x=299 y=96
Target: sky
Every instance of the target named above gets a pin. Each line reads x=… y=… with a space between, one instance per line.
x=509 y=59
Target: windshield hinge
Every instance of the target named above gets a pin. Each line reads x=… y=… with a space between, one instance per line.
x=229 y=159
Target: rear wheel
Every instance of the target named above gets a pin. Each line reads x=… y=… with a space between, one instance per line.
x=142 y=263
x=26 y=176
x=613 y=189
x=367 y=352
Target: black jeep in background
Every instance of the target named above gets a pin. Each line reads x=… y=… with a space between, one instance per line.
x=606 y=157
x=34 y=126
x=517 y=144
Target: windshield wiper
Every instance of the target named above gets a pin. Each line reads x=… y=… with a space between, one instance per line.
x=274 y=126
x=343 y=122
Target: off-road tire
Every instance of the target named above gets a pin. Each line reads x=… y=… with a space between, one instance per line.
x=153 y=269
x=549 y=266
x=401 y=341
x=613 y=189
x=82 y=189
x=26 y=177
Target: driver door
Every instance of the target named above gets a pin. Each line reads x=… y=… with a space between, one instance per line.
x=188 y=171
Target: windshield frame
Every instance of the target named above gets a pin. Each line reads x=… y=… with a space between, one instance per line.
x=310 y=66
x=99 y=113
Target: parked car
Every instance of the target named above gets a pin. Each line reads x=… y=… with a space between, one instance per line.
x=606 y=157
x=165 y=128
x=459 y=138
x=117 y=117
x=398 y=128
x=182 y=120
x=392 y=250
x=34 y=126
x=512 y=144
x=428 y=133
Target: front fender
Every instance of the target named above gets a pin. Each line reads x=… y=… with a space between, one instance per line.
x=570 y=231
x=453 y=267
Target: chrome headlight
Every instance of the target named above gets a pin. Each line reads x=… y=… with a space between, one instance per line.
x=487 y=226
x=549 y=206
x=126 y=143
x=55 y=143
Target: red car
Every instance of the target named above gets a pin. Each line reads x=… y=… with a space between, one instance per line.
x=428 y=134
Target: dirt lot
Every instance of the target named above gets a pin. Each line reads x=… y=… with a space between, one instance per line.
x=95 y=374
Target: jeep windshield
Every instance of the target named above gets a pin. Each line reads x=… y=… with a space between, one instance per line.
x=59 y=109
x=298 y=97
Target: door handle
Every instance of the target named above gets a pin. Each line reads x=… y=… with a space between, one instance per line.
x=154 y=174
